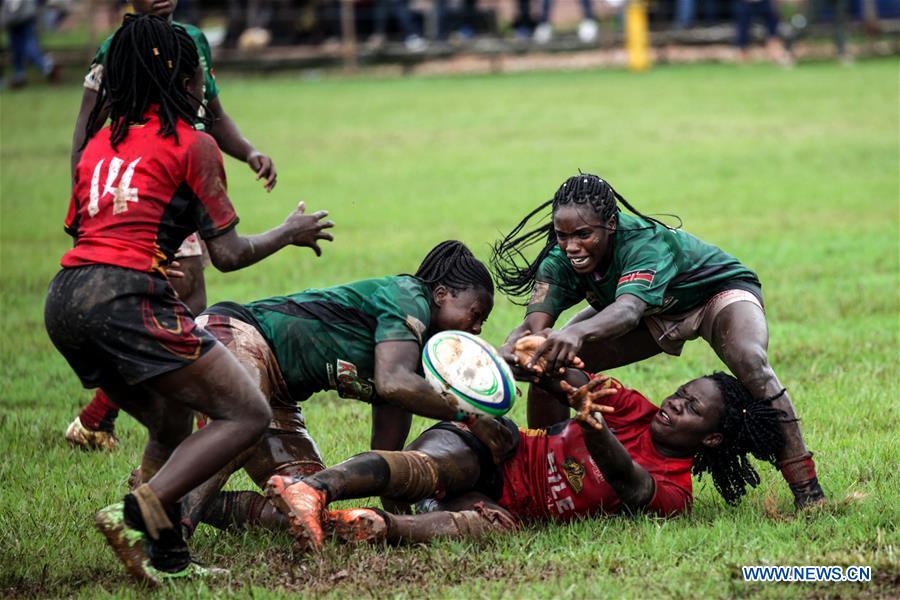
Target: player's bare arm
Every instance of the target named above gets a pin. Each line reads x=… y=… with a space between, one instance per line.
x=397 y=382
x=232 y=251
x=561 y=347
x=233 y=143
x=88 y=98
x=631 y=482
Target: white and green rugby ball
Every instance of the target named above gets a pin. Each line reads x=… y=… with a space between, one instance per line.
x=466 y=366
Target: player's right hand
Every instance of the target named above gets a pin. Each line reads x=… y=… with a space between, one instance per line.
x=584 y=400
x=307 y=230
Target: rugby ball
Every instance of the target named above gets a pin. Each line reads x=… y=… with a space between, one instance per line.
x=466 y=366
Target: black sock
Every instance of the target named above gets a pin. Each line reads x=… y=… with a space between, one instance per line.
x=169 y=552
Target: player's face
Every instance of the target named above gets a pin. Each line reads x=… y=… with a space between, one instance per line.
x=466 y=310
x=160 y=8
x=689 y=418
x=582 y=236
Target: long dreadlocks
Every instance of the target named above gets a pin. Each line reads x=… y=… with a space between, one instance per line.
x=453 y=265
x=147 y=63
x=748 y=426
x=517 y=280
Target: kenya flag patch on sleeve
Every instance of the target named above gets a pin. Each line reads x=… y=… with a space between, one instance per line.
x=642 y=279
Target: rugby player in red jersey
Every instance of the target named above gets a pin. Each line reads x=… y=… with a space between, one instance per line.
x=141 y=186
x=93 y=428
x=634 y=456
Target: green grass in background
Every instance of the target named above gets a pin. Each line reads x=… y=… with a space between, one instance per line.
x=795 y=172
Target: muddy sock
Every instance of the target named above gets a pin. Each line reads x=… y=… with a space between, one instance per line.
x=100 y=413
x=361 y=476
x=235 y=510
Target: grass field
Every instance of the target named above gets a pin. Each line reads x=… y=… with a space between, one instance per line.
x=795 y=172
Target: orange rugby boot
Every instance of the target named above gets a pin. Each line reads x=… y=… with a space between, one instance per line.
x=304 y=507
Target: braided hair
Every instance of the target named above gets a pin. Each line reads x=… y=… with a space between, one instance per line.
x=147 y=63
x=516 y=279
x=453 y=265
x=748 y=426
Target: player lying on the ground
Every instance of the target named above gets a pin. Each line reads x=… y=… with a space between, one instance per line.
x=94 y=427
x=650 y=288
x=142 y=185
x=633 y=457
x=364 y=340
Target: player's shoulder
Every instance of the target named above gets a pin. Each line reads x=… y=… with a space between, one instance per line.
x=195 y=34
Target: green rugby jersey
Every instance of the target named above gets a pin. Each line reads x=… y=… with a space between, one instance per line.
x=325 y=338
x=211 y=90
x=672 y=271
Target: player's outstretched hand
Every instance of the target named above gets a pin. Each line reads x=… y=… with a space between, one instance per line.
x=533 y=352
x=494 y=434
x=264 y=168
x=584 y=400
x=307 y=230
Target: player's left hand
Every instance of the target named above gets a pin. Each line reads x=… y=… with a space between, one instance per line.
x=264 y=168
x=584 y=400
x=558 y=350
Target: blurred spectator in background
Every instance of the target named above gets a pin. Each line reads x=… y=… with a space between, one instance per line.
x=466 y=23
x=686 y=12
x=523 y=24
x=20 y=17
x=587 y=29
x=400 y=9
x=744 y=11
x=837 y=10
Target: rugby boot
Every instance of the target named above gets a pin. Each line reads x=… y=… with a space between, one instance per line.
x=357 y=525
x=304 y=507
x=127 y=542
x=80 y=436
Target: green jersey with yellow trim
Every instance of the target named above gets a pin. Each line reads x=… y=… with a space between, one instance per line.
x=210 y=89
x=326 y=338
x=671 y=270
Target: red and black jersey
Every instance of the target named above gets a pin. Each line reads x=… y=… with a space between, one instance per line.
x=552 y=474
x=132 y=207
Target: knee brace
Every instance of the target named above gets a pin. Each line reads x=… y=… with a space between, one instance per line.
x=413 y=475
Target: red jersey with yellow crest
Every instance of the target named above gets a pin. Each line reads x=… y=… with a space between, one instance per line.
x=552 y=474
x=133 y=205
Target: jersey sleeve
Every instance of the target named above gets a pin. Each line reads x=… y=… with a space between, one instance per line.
x=403 y=313
x=630 y=405
x=95 y=70
x=669 y=499
x=647 y=268
x=211 y=88
x=556 y=287
x=205 y=175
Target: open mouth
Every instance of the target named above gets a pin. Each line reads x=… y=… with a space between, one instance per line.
x=663 y=417
x=579 y=261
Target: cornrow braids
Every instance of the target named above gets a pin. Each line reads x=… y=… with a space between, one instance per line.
x=146 y=64
x=516 y=274
x=748 y=426
x=453 y=265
